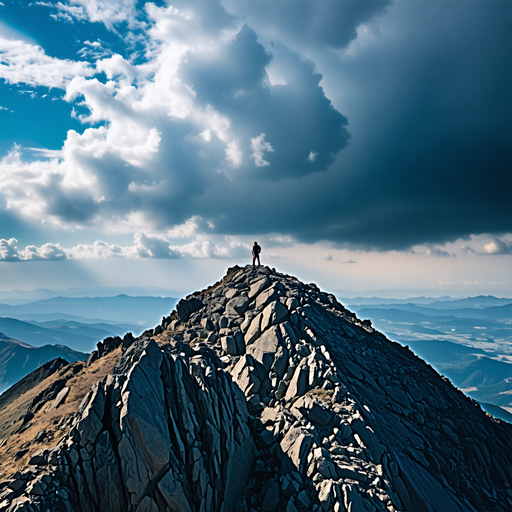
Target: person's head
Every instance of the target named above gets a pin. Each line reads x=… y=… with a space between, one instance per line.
x=255 y=243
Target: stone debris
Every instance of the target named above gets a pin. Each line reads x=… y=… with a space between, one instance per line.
x=268 y=395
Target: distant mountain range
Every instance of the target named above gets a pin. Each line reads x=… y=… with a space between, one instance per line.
x=15 y=297
x=418 y=294
x=481 y=301
x=77 y=336
x=143 y=311
x=494 y=312
x=18 y=359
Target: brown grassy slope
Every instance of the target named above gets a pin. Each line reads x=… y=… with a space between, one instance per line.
x=46 y=418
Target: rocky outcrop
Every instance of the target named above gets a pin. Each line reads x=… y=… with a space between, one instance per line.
x=262 y=393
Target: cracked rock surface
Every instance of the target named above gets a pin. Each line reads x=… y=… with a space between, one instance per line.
x=262 y=393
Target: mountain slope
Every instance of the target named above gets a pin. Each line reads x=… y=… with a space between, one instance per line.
x=18 y=359
x=260 y=393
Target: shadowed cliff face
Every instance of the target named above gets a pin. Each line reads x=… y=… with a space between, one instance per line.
x=263 y=393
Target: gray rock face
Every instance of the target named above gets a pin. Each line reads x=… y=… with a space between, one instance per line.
x=186 y=307
x=272 y=314
x=157 y=414
x=258 y=286
x=265 y=349
x=237 y=306
x=284 y=401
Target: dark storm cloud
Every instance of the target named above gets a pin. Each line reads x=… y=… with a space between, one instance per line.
x=296 y=117
x=430 y=160
x=309 y=22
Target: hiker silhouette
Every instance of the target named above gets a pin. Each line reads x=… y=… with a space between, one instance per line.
x=256 y=249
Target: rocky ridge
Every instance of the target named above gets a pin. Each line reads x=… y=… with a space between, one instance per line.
x=262 y=393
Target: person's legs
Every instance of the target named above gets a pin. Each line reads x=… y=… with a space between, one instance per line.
x=258 y=256
x=253 y=259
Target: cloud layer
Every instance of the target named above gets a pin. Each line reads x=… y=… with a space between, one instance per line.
x=364 y=124
x=155 y=246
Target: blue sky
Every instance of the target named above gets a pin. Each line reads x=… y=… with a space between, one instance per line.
x=364 y=144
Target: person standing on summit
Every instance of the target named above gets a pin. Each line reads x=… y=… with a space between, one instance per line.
x=256 y=249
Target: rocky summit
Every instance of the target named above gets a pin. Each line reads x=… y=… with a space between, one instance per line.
x=260 y=393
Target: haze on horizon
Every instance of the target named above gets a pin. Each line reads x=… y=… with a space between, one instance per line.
x=365 y=145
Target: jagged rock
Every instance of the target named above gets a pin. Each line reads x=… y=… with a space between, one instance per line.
x=93 y=356
x=265 y=348
x=185 y=308
x=237 y=306
x=63 y=393
x=367 y=436
x=173 y=493
x=253 y=330
x=39 y=458
x=299 y=383
x=267 y=297
x=272 y=314
x=207 y=324
x=229 y=345
x=147 y=505
x=312 y=409
x=296 y=444
x=271 y=499
x=258 y=287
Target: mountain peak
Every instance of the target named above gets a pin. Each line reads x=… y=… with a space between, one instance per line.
x=264 y=393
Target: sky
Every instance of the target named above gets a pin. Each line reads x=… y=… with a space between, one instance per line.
x=365 y=145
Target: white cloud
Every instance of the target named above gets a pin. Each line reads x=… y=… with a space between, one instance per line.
x=49 y=252
x=145 y=246
x=260 y=146
x=22 y=62
x=498 y=246
x=107 y=12
x=94 y=50
x=312 y=156
x=8 y=250
x=186 y=230
x=98 y=176
x=116 y=66
x=234 y=153
x=349 y=261
x=206 y=135
x=154 y=141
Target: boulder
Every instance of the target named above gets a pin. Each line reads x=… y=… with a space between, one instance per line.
x=174 y=494
x=253 y=331
x=63 y=393
x=272 y=314
x=299 y=383
x=237 y=306
x=186 y=307
x=264 y=349
x=266 y=297
x=228 y=345
x=296 y=445
x=258 y=286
